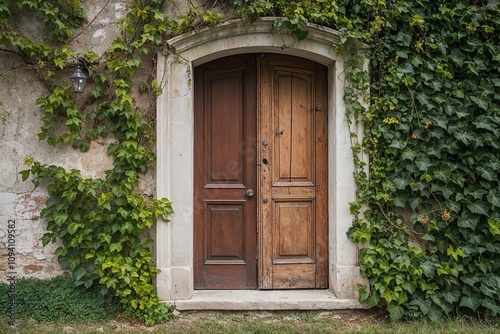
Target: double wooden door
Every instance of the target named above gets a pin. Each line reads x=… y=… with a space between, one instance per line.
x=260 y=182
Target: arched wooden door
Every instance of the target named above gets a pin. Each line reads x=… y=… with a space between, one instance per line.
x=260 y=183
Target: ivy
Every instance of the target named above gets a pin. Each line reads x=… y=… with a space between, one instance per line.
x=102 y=223
x=433 y=143
x=427 y=211
x=61 y=17
x=292 y=16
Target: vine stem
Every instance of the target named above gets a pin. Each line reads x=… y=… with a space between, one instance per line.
x=394 y=225
x=90 y=23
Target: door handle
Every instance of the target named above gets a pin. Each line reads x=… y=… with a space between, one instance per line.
x=250 y=192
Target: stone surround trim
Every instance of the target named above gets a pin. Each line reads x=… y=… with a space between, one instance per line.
x=175 y=142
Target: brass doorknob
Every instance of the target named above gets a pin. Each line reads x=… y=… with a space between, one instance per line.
x=250 y=192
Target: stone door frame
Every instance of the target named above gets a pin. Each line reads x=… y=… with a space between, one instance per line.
x=175 y=143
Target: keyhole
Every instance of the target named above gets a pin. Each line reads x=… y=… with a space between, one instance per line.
x=264 y=161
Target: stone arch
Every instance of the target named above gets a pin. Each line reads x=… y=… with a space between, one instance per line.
x=175 y=141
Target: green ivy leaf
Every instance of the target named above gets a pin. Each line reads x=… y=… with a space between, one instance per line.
x=482 y=103
x=115 y=247
x=423 y=163
x=494 y=198
x=399 y=144
x=79 y=273
x=409 y=155
x=455 y=253
x=494 y=226
x=470 y=302
x=424 y=100
x=372 y=300
x=406 y=68
x=478 y=208
x=400 y=201
x=451 y=296
x=60 y=218
x=466 y=222
x=396 y=312
x=414 y=203
x=464 y=137
x=442 y=174
x=428 y=269
x=488 y=174
x=492 y=305
x=73 y=227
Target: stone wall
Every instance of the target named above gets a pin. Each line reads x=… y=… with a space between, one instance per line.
x=19 y=127
x=20 y=123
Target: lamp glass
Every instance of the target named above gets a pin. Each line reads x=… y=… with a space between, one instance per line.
x=78 y=80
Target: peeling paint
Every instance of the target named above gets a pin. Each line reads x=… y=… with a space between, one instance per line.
x=119 y=8
x=19 y=200
x=100 y=33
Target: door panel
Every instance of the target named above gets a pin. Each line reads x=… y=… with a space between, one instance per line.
x=225 y=91
x=295 y=239
x=294 y=127
x=225 y=167
x=294 y=225
x=225 y=231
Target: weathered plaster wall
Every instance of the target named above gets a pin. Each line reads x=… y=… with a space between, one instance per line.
x=22 y=202
x=19 y=90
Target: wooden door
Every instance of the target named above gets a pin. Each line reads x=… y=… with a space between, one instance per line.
x=293 y=174
x=260 y=126
x=225 y=228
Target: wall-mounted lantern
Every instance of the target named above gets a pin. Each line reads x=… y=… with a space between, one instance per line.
x=78 y=79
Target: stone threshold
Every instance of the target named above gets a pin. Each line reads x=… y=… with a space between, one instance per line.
x=270 y=300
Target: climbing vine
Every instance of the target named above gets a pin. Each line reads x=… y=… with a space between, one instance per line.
x=427 y=209
x=431 y=230
x=102 y=222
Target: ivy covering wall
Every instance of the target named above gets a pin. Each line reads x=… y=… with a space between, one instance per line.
x=427 y=214
x=431 y=233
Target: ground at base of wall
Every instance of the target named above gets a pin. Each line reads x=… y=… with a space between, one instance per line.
x=221 y=322
x=349 y=318
x=331 y=322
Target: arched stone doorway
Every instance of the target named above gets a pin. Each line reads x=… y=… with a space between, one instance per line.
x=175 y=167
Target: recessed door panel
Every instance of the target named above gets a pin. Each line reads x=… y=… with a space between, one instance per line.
x=293 y=232
x=225 y=125
x=225 y=231
x=294 y=126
